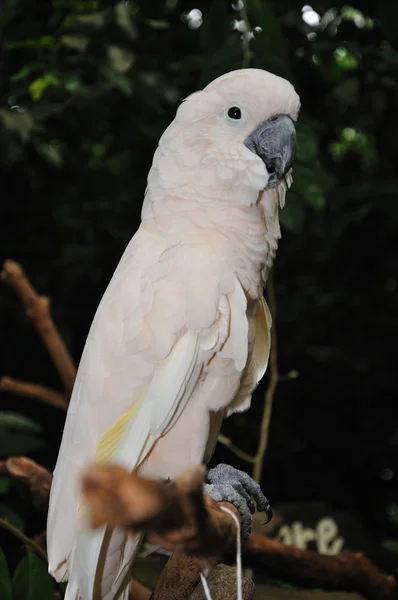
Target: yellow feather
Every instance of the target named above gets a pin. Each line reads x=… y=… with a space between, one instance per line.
x=109 y=442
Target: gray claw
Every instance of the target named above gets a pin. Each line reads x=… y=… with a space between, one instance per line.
x=237 y=487
x=227 y=493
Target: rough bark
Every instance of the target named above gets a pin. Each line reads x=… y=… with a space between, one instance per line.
x=38 y=310
x=347 y=571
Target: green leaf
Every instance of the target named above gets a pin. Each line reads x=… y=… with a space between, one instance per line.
x=120 y=59
x=123 y=19
x=21 y=74
x=44 y=42
x=158 y=24
x=39 y=86
x=314 y=197
x=5 y=483
x=12 y=517
x=5 y=579
x=31 y=580
x=51 y=152
x=11 y=420
x=72 y=82
x=391 y=545
x=118 y=80
x=96 y=19
x=75 y=42
x=21 y=123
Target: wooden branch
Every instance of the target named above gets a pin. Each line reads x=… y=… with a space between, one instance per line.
x=38 y=310
x=273 y=382
x=37 y=477
x=33 y=390
x=179 y=578
x=177 y=516
x=347 y=571
x=246 y=37
x=225 y=441
x=181 y=518
x=24 y=539
x=222 y=585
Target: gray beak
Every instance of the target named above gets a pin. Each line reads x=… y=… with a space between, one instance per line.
x=274 y=141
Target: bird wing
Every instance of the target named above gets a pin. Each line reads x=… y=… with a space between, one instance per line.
x=159 y=323
x=258 y=362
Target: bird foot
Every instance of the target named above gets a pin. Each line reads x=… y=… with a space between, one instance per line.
x=226 y=484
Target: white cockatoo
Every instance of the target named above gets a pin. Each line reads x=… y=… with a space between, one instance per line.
x=181 y=336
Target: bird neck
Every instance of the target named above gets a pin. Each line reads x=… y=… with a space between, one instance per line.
x=243 y=237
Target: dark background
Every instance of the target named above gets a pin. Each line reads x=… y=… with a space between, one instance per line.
x=86 y=90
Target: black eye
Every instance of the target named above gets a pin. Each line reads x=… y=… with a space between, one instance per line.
x=234 y=113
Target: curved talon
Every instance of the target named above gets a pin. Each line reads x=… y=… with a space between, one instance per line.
x=231 y=485
x=269 y=514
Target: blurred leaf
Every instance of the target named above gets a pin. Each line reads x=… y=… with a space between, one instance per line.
x=96 y=19
x=31 y=580
x=5 y=579
x=44 y=42
x=37 y=88
x=391 y=545
x=50 y=152
x=5 y=483
x=22 y=73
x=118 y=80
x=11 y=420
x=7 y=513
x=76 y=42
x=39 y=85
x=120 y=59
x=157 y=24
x=19 y=122
x=72 y=82
x=314 y=197
x=123 y=19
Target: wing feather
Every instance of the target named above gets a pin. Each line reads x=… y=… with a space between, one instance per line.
x=139 y=368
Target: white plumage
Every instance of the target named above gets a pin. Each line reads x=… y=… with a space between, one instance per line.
x=181 y=336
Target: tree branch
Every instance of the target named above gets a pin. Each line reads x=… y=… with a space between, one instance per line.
x=37 y=477
x=179 y=578
x=33 y=390
x=225 y=441
x=180 y=517
x=246 y=37
x=38 y=309
x=348 y=571
x=176 y=515
x=29 y=542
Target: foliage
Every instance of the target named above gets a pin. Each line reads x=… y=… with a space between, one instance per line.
x=86 y=89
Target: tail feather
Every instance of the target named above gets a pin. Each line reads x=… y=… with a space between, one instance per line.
x=117 y=553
